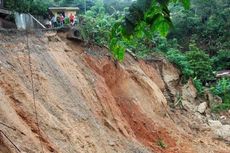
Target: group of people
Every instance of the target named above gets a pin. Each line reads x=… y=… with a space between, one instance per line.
x=62 y=19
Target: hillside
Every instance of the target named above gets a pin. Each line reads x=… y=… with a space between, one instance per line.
x=85 y=102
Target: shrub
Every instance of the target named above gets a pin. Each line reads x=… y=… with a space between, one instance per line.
x=198 y=85
x=161 y=143
x=222 y=89
x=222 y=60
x=200 y=63
x=97 y=24
x=28 y=6
x=181 y=61
x=67 y=21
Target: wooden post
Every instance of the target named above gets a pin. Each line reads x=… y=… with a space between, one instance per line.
x=37 y=21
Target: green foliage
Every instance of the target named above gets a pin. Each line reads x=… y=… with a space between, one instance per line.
x=67 y=21
x=186 y=3
x=19 y=5
x=222 y=89
x=39 y=7
x=195 y=64
x=97 y=24
x=161 y=144
x=207 y=22
x=148 y=15
x=198 y=85
x=222 y=60
x=200 y=63
x=34 y=7
x=181 y=61
x=111 y=6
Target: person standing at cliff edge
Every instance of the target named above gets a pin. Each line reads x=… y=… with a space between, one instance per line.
x=72 y=17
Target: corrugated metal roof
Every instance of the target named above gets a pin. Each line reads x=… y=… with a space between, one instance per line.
x=224 y=73
x=63 y=8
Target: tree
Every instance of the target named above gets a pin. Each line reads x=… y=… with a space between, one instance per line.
x=34 y=7
x=200 y=63
x=111 y=6
x=222 y=60
x=207 y=23
x=151 y=14
x=97 y=24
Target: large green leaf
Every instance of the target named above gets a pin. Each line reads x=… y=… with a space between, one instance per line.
x=186 y=3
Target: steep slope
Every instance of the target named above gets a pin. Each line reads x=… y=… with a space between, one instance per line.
x=86 y=103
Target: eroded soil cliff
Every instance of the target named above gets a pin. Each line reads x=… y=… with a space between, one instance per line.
x=85 y=102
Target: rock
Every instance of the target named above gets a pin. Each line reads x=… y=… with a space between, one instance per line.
x=194 y=126
x=199 y=116
x=202 y=107
x=223 y=132
x=223 y=118
x=217 y=100
x=111 y=143
x=150 y=71
x=212 y=100
x=171 y=77
x=214 y=124
x=189 y=92
x=220 y=131
x=188 y=105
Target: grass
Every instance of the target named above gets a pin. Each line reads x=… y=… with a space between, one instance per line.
x=161 y=143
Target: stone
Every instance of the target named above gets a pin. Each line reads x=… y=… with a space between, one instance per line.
x=220 y=131
x=111 y=143
x=188 y=105
x=195 y=126
x=223 y=132
x=223 y=117
x=214 y=124
x=189 y=92
x=202 y=107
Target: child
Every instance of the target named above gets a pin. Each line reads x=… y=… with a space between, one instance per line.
x=62 y=19
x=72 y=17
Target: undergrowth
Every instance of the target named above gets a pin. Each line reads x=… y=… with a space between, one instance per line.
x=222 y=89
x=161 y=143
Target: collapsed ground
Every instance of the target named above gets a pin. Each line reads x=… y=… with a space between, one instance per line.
x=87 y=103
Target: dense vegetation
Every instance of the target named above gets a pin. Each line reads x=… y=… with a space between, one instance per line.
x=194 y=35
x=35 y=7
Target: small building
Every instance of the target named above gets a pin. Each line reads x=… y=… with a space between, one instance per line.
x=64 y=10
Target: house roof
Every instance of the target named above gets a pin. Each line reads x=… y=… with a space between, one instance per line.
x=64 y=8
x=225 y=73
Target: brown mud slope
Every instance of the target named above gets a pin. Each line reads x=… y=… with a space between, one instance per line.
x=87 y=104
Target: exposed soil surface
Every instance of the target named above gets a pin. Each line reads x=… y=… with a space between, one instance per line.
x=87 y=103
